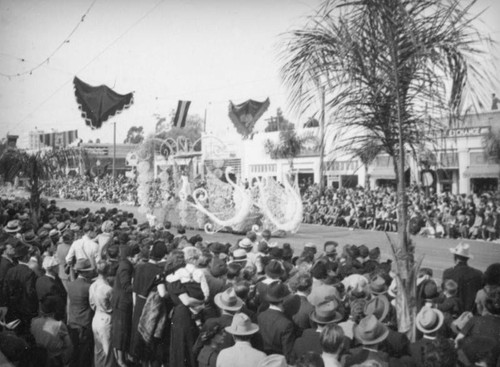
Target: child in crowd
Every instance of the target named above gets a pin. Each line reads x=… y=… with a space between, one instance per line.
x=194 y=281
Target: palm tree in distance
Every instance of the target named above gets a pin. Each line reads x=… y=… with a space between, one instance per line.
x=35 y=168
x=391 y=71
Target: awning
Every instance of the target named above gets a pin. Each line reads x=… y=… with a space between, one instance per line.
x=491 y=170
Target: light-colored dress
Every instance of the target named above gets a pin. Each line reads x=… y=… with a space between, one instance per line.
x=100 y=294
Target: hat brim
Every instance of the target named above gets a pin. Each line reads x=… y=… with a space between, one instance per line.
x=387 y=307
x=429 y=331
x=363 y=341
x=338 y=317
x=222 y=306
x=17 y=229
x=454 y=252
x=253 y=330
x=91 y=268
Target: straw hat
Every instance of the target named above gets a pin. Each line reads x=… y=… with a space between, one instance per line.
x=13 y=226
x=429 y=320
x=49 y=262
x=246 y=243
x=242 y=325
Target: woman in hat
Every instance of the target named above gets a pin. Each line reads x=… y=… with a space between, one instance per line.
x=212 y=339
x=144 y=282
x=121 y=317
x=100 y=293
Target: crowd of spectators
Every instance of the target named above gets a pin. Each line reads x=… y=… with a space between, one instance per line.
x=101 y=189
x=445 y=215
x=86 y=288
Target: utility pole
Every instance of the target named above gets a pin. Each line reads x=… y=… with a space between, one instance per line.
x=322 y=140
x=114 y=151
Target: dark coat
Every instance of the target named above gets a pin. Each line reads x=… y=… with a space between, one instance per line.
x=417 y=349
x=309 y=341
x=19 y=287
x=47 y=286
x=5 y=265
x=79 y=312
x=122 y=288
x=278 y=333
x=469 y=281
x=301 y=318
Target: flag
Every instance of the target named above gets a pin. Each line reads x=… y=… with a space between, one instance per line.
x=59 y=139
x=245 y=115
x=181 y=114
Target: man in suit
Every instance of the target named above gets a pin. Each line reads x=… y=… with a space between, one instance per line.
x=468 y=279
x=429 y=321
x=228 y=304
x=242 y=354
x=7 y=261
x=325 y=313
x=304 y=286
x=19 y=289
x=51 y=285
x=276 y=329
x=80 y=314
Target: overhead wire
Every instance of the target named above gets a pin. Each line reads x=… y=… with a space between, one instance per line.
x=47 y=59
x=91 y=61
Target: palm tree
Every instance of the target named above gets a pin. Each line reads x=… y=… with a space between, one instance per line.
x=391 y=70
x=35 y=167
x=366 y=155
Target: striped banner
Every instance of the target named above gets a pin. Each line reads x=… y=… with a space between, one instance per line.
x=181 y=114
x=59 y=139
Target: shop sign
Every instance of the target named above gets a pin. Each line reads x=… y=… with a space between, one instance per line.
x=467 y=131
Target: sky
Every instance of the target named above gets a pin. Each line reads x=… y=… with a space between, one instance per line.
x=205 y=51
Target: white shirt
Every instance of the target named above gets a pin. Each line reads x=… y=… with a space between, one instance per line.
x=84 y=248
x=240 y=355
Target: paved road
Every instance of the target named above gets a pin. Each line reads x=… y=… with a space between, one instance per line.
x=435 y=251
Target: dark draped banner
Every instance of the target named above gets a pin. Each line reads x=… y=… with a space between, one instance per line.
x=245 y=115
x=99 y=103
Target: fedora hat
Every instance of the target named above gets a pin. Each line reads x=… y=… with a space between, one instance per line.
x=277 y=292
x=228 y=300
x=378 y=306
x=429 y=320
x=13 y=226
x=378 y=285
x=370 y=331
x=462 y=249
x=326 y=313
x=274 y=269
x=242 y=325
x=83 y=265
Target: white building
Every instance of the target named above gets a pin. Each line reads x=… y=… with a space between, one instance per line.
x=460 y=165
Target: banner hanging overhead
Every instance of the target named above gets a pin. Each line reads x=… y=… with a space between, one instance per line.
x=246 y=114
x=97 y=104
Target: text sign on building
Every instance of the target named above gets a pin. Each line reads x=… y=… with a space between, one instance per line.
x=467 y=131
